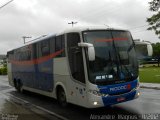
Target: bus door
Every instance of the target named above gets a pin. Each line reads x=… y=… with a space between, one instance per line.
x=75 y=58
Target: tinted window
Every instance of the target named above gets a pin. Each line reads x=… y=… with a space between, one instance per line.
x=60 y=45
x=45 y=49
x=52 y=44
x=115 y=58
x=22 y=54
x=34 y=53
x=75 y=57
x=10 y=55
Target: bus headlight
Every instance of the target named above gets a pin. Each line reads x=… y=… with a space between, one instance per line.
x=97 y=93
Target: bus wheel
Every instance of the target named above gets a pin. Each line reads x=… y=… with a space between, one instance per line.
x=18 y=86
x=61 y=96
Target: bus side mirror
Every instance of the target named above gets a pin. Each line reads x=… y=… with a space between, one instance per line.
x=91 y=50
x=150 y=50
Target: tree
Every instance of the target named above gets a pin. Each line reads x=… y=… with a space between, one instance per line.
x=154 y=20
x=154 y=5
x=3 y=69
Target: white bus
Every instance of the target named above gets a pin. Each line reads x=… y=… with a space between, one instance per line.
x=144 y=49
x=89 y=67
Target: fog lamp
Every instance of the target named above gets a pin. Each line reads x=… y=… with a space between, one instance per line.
x=95 y=103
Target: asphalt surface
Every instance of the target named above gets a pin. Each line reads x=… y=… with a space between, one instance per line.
x=147 y=106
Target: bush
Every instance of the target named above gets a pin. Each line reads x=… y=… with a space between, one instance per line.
x=3 y=71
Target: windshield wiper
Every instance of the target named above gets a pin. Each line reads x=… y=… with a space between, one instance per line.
x=122 y=65
x=130 y=47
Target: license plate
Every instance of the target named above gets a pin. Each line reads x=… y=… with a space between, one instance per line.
x=120 y=99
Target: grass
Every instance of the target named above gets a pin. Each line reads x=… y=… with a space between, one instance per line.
x=149 y=74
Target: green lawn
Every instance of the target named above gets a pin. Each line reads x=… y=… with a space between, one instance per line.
x=149 y=74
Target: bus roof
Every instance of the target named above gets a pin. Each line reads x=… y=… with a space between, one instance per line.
x=80 y=29
x=74 y=29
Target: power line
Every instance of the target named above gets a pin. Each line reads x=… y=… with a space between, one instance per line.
x=6 y=4
x=140 y=31
x=101 y=12
x=138 y=27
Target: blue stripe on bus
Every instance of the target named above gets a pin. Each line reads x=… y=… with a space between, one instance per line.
x=36 y=73
x=114 y=99
x=114 y=90
x=39 y=76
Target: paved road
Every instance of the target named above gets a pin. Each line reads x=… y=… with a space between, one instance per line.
x=146 y=106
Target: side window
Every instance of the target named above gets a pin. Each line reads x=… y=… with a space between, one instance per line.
x=28 y=55
x=38 y=50
x=63 y=46
x=60 y=44
x=34 y=51
x=10 y=56
x=75 y=57
x=52 y=44
x=45 y=48
x=17 y=55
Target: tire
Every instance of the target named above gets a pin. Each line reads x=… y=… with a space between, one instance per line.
x=61 y=97
x=18 y=85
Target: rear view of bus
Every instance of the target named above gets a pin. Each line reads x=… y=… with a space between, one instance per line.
x=113 y=72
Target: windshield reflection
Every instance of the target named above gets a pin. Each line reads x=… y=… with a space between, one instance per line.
x=115 y=59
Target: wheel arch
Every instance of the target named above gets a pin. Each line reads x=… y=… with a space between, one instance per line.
x=60 y=86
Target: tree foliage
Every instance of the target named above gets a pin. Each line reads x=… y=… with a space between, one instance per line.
x=154 y=20
x=154 y=5
x=156 y=51
x=3 y=69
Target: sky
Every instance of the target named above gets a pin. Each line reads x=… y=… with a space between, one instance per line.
x=34 y=18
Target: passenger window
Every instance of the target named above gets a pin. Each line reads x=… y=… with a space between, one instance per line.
x=52 y=44
x=60 y=45
x=45 y=49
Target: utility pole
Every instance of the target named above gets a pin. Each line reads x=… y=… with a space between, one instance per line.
x=73 y=23
x=24 y=38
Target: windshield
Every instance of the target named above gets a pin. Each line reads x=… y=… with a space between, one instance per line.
x=115 y=60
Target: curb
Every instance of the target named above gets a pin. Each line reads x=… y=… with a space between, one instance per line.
x=156 y=88
x=36 y=109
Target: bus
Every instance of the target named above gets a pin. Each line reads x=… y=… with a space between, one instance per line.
x=144 y=49
x=89 y=67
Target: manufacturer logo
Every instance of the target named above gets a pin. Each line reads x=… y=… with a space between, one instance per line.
x=129 y=86
x=124 y=87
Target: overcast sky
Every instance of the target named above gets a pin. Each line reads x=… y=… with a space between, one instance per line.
x=41 y=17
